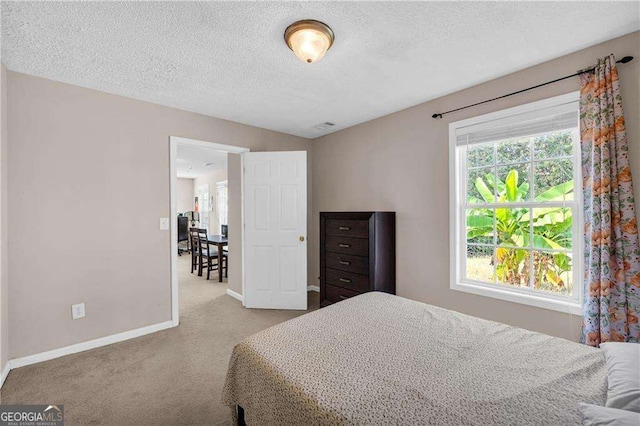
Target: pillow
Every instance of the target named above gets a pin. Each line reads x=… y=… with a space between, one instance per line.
x=594 y=415
x=623 y=374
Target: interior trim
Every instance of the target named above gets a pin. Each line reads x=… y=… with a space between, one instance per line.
x=174 y=141
x=4 y=374
x=81 y=347
x=235 y=295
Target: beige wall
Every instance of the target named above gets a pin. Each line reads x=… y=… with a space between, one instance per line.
x=4 y=283
x=211 y=179
x=184 y=195
x=97 y=238
x=234 y=173
x=400 y=163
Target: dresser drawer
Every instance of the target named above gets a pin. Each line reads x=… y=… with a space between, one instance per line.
x=347 y=280
x=347 y=245
x=347 y=262
x=336 y=294
x=347 y=228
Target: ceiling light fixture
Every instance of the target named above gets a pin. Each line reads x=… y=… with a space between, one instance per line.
x=309 y=39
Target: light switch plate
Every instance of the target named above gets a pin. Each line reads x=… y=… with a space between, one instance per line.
x=77 y=311
x=164 y=223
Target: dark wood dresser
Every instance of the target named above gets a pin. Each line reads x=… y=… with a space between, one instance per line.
x=357 y=254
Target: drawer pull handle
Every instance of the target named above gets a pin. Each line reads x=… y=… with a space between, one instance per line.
x=345 y=245
x=344 y=280
x=344 y=228
x=343 y=297
x=343 y=262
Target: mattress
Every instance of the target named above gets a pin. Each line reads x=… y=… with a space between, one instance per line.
x=382 y=359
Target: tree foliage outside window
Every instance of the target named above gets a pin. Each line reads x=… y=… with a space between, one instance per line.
x=519 y=212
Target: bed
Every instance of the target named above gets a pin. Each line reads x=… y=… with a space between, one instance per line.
x=383 y=359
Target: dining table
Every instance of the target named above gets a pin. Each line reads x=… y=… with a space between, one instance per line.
x=220 y=241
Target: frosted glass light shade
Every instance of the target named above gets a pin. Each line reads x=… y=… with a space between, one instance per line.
x=309 y=39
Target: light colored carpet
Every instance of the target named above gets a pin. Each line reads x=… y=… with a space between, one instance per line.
x=173 y=377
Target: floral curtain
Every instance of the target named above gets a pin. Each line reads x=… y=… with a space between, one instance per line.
x=612 y=252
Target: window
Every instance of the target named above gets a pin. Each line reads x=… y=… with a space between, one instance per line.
x=515 y=194
x=203 y=205
x=221 y=201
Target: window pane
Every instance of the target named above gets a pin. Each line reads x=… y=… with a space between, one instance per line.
x=513 y=227
x=553 y=180
x=552 y=228
x=558 y=144
x=513 y=183
x=480 y=184
x=480 y=155
x=480 y=226
x=480 y=263
x=514 y=151
x=552 y=272
x=512 y=267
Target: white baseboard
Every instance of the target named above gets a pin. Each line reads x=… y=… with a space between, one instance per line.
x=4 y=374
x=240 y=298
x=85 y=346
x=235 y=295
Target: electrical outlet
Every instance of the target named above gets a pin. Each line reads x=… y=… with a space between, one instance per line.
x=164 y=223
x=77 y=311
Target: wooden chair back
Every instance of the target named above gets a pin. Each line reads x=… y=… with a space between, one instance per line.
x=194 y=239
x=203 y=241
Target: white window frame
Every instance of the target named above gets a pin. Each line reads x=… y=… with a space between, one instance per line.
x=222 y=207
x=457 y=190
x=203 y=192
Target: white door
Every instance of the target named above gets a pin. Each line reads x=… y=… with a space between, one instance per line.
x=275 y=235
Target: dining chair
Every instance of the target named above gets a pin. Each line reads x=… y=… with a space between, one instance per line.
x=208 y=254
x=225 y=259
x=194 y=244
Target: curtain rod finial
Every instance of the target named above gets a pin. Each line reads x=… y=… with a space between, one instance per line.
x=626 y=59
x=436 y=115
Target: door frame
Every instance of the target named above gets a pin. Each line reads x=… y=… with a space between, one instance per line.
x=174 y=141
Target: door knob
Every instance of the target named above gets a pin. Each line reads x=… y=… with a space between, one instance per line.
x=301 y=238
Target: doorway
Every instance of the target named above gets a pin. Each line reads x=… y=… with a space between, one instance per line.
x=199 y=175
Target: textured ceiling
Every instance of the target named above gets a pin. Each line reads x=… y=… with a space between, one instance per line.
x=229 y=60
x=192 y=162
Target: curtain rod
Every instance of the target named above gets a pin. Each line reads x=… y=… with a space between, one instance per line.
x=440 y=114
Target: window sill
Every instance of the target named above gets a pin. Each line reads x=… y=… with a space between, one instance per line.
x=564 y=306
